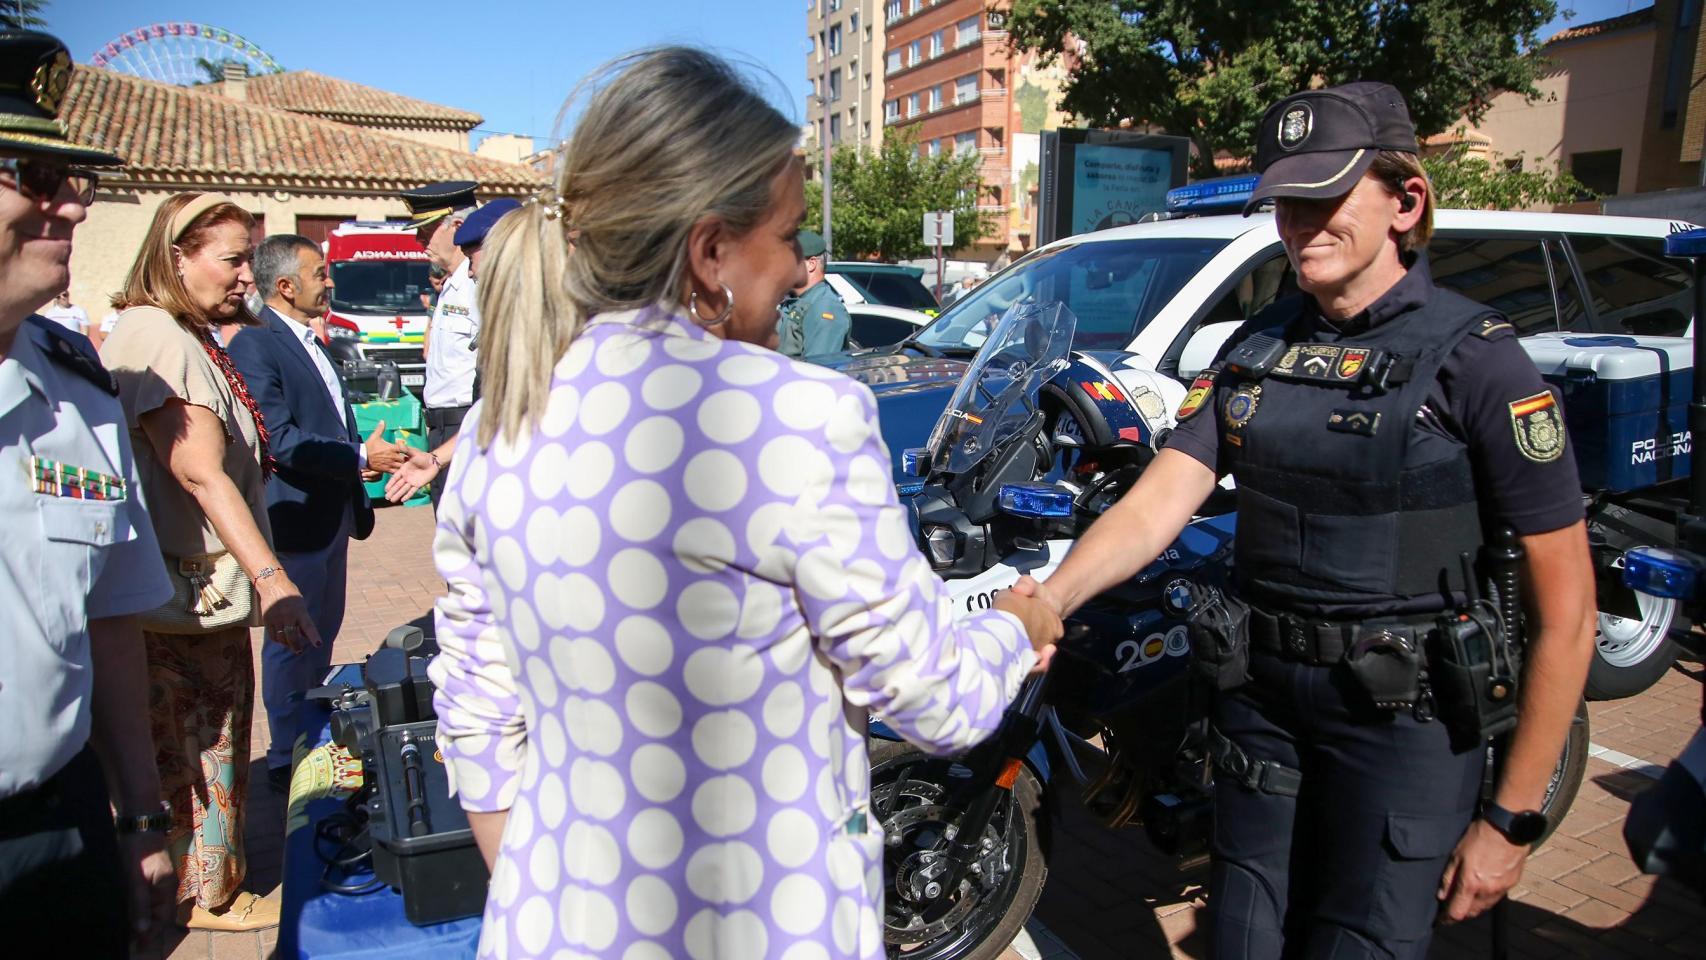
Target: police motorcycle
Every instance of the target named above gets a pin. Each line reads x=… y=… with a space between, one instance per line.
x=1027 y=455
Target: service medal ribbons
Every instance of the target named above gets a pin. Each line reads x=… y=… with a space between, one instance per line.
x=57 y=479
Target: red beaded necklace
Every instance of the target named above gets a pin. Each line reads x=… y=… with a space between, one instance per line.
x=240 y=389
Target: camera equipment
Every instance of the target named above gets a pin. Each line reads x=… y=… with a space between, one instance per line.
x=418 y=834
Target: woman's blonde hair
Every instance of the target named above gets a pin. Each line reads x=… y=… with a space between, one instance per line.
x=154 y=280
x=671 y=137
x=1392 y=168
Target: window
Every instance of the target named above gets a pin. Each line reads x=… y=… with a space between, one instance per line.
x=853 y=24
x=834 y=5
x=933 y=148
x=891 y=61
x=1634 y=289
x=867 y=79
x=820 y=43
x=913 y=54
x=1268 y=281
x=1508 y=274
x=1598 y=170
x=967 y=30
x=936 y=40
x=892 y=12
x=917 y=5
x=965 y=88
x=865 y=130
x=935 y=98
x=873 y=331
x=912 y=104
x=1513 y=165
x=965 y=143
x=835 y=128
x=835 y=40
x=835 y=85
x=891 y=111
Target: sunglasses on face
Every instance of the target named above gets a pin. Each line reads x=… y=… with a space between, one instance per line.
x=41 y=180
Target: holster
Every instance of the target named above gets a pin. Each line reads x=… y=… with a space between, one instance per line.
x=1219 y=627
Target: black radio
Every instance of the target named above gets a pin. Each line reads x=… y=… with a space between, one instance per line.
x=416 y=835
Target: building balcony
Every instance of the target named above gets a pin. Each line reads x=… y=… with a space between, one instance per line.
x=992 y=151
x=994 y=93
x=992 y=208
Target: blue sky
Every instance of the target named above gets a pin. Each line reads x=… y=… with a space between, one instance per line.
x=512 y=61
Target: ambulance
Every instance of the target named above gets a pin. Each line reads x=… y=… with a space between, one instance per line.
x=380 y=294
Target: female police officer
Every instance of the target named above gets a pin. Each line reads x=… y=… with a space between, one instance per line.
x=1375 y=427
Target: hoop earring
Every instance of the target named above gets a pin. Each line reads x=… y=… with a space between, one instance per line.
x=719 y=319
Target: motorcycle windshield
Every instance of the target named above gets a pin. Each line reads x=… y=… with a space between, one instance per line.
x=1027 y=346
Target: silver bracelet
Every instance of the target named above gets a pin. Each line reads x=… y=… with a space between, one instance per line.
x=264 y=573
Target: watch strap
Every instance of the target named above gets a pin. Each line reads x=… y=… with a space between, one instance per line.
x=1505 y=821
x=158 y=821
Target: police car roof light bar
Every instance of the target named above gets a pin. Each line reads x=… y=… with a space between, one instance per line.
x=1219 y=195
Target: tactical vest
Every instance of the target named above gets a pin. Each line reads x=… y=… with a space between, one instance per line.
x=1348 y=507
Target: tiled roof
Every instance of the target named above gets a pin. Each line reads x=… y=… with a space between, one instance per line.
x=304 y=91
x=1634 y=18
x=170 y=133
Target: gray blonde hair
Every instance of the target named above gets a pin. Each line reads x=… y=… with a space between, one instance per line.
x=674 y=136
x=1393 y=168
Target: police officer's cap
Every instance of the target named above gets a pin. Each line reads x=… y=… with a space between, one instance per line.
x=35 y=71
x=811 y=244
x=433 y=202
x=1318 y=143
x=479 y=223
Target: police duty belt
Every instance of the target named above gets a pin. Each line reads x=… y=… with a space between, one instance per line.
x=1339 y=365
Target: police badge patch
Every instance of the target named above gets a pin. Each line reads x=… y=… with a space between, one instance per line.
x=1538 y=427
x=1295 y=125
x=1241 y=406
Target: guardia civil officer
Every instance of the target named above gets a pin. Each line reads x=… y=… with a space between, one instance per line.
x=77 y=562
x=1378 y=428
x=436 y=210
x=814 y=320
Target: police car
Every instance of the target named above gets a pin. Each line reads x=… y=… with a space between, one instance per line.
x=1155 y=301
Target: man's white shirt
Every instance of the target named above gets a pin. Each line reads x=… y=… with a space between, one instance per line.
x=308 y=340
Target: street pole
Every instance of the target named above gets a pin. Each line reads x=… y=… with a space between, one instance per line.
x=825 y=145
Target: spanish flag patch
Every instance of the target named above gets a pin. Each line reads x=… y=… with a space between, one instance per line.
x=1201 y=388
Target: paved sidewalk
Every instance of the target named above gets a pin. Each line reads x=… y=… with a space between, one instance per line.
x=1109 y=895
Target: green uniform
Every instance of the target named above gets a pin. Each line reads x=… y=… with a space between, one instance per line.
x=814 y=323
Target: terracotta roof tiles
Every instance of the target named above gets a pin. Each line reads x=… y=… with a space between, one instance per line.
x=304 y=91
x=169 y=132
x=1634 y=18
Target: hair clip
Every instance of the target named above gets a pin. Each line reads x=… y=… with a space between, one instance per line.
x=554 y=207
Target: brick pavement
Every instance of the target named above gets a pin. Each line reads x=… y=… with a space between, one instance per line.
x=1580 y=895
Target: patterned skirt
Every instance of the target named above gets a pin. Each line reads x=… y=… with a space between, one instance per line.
x=201 y=697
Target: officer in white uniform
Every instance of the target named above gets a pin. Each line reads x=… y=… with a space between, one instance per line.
x=437 y=210
x=77 y=562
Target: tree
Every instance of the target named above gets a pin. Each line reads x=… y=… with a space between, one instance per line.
x=215 y=69
x=1208 y=70
x=1472 y=183
x=881 y=198
x=22 y=14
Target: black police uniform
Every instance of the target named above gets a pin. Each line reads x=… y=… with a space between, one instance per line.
x=1354 y=503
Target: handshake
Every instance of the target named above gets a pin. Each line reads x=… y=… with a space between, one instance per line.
x=1041 y=614
x=383 y=456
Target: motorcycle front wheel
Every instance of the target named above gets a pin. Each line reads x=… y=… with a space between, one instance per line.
x=920 y=800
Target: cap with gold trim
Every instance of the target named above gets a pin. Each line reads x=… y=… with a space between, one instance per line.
x=35 y=70
x=433 y=202
x=1318 y=143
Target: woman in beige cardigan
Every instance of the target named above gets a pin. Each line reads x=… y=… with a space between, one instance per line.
x=201 y=450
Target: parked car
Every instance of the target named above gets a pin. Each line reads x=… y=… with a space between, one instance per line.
x=875 y=325
x=1164 y=296
x=889 y=284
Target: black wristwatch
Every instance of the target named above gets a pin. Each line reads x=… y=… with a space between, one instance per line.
x=157 y=822
x=1522 y=828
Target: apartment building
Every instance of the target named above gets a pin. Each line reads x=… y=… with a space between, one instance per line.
x=845 y=43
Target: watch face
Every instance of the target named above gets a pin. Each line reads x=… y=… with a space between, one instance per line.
x=1527 y=826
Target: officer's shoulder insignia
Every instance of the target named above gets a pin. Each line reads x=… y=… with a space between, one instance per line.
x=74 y=352
x=1492 y=326
x=1201 y=389
x=1538 y=427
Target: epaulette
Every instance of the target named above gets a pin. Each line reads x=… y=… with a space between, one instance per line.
x=1491 y=325
x=74 y=352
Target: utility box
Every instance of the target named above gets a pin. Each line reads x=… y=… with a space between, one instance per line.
x=1625 y=404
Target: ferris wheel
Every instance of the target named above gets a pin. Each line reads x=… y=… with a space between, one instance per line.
x=184 y=54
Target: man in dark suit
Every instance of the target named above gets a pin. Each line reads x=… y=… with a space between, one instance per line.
x=315 y=501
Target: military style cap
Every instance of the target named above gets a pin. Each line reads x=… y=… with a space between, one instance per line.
x=480 y=222
x=35 y=70
x=1319 y=143
x=811 y=243
x=433 y=202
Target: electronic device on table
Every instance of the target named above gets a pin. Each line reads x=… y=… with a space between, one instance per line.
x=403 y=824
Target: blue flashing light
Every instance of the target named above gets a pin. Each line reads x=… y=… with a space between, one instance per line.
x=1221 y=193
x=1663 y=573
x=1034 y=500
x=915 y=461
x=1686 y=243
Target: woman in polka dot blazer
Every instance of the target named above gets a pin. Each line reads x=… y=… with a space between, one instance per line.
x=678 y=574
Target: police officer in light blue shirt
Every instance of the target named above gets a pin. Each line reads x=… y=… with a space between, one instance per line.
x=78 y=561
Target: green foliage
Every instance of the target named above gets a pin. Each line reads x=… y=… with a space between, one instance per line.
x=1472 y=183
x=880 y=199
x=1208 y=70
x=1033 y=107
x=215 y=69
x=22 y=14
